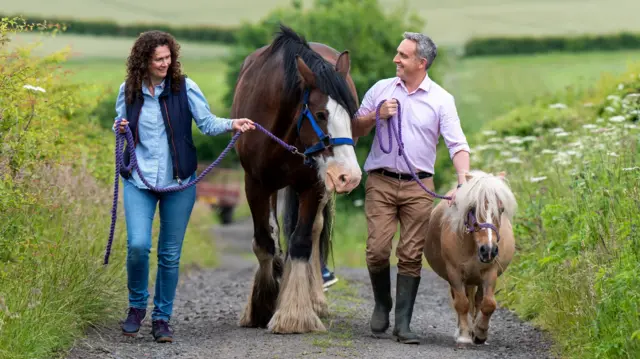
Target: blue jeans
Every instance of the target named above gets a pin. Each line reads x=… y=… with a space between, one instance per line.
x=140 y=208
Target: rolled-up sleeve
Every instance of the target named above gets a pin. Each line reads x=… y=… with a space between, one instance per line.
x=206 y=121
x=451 y=129
x=121 y=108
x=368 y=102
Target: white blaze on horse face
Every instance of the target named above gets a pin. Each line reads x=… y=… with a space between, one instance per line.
x=341 y=172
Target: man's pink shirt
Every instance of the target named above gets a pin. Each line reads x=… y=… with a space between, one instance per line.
x=427 y=113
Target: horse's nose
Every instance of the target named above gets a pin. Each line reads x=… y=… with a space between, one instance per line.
x=346 y=182
x=487 y=253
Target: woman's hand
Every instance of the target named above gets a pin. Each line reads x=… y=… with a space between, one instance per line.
x=243 y=124
x=123 y=123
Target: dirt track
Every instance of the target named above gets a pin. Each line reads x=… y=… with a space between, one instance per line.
x=208 y=304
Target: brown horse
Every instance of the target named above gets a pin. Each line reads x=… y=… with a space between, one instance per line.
x=304 y=95
x=471 y=244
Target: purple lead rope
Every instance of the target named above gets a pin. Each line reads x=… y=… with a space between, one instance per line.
x=398 y=136
x=133 y=164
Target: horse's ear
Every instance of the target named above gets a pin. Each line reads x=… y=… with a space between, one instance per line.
x=306 y=73
x=343 y=64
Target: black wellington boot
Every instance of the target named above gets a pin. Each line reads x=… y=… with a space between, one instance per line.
x=406 y=290
x=381 y=283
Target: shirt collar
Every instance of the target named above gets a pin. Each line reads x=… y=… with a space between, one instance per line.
x=425 y=85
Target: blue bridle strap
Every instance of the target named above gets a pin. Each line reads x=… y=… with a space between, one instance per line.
x=326 y=140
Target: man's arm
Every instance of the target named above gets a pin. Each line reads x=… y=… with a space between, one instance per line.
x=461 y=164
x=454 y=138
x=363 y=124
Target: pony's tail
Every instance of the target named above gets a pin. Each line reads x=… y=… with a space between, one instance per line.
x=290 y=218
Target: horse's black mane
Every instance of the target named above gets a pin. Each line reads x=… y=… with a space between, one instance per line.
x=327 y=79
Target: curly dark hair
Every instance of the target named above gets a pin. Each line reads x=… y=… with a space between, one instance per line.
x=138 y=62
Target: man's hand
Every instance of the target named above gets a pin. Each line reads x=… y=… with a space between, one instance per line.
x=389 y=108
x=243 y=124
x=123 y=123
x=453 y=195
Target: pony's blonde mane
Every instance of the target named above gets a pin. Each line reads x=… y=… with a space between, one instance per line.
x=484 y=192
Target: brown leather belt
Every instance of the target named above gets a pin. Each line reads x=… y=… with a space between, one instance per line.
x=402 y=176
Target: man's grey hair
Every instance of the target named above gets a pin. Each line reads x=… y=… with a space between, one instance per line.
x=426 y=48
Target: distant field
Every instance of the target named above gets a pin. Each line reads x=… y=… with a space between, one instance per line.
x=449 y=22
x=89 y=47
x=485 y=88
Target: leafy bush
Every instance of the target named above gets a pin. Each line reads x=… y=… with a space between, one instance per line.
x=101 y=27
x=506 y=45
x=577 y=180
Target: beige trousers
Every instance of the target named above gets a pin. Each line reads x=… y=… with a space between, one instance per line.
x=387 y=202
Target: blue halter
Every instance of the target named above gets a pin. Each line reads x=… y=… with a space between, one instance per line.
x=326 y=140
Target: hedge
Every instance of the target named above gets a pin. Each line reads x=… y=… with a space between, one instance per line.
x=97 y=27
x=487 y=46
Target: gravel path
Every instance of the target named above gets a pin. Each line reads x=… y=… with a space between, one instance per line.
x=209 y=302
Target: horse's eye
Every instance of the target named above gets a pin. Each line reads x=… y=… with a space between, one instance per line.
x=321 y=116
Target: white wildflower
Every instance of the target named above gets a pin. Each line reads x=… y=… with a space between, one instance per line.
x=631 y=168
x=506 y=153
x=558 y=106
x=537 y=179
x=632 y=95
x=620 y=86
x=610 y=109
x=556 y=130
x=548 y=152
x=600 y=120
x=529 y=139
x=514 y=141
x=514 y=160
x=613 y=154
x=587 y=104
x=589 y=126
x=517 y=149
x=562 y=134
x=630 y=125
x=613 y=98
x=489 y=133
x=33 y=88
x=617 y=119
x=495 y=140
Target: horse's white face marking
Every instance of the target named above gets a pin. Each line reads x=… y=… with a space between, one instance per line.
x=489 y=232
x=343 y=163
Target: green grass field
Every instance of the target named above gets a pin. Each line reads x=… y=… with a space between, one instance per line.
x=485 y=88
x=449 y=22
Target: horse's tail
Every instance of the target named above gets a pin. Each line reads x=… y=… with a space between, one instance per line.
x=290 y=218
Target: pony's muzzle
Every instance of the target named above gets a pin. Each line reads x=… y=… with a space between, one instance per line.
x=487 y=253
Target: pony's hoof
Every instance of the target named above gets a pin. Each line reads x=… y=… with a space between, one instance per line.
x=477 y=340
x=462 y=340
x=321 y=309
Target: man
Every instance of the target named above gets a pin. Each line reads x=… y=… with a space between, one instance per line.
x=391 y=194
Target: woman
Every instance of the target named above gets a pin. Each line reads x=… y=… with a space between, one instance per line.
x=160 y=103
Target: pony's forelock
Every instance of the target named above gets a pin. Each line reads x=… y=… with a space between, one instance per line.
x=484 y=192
